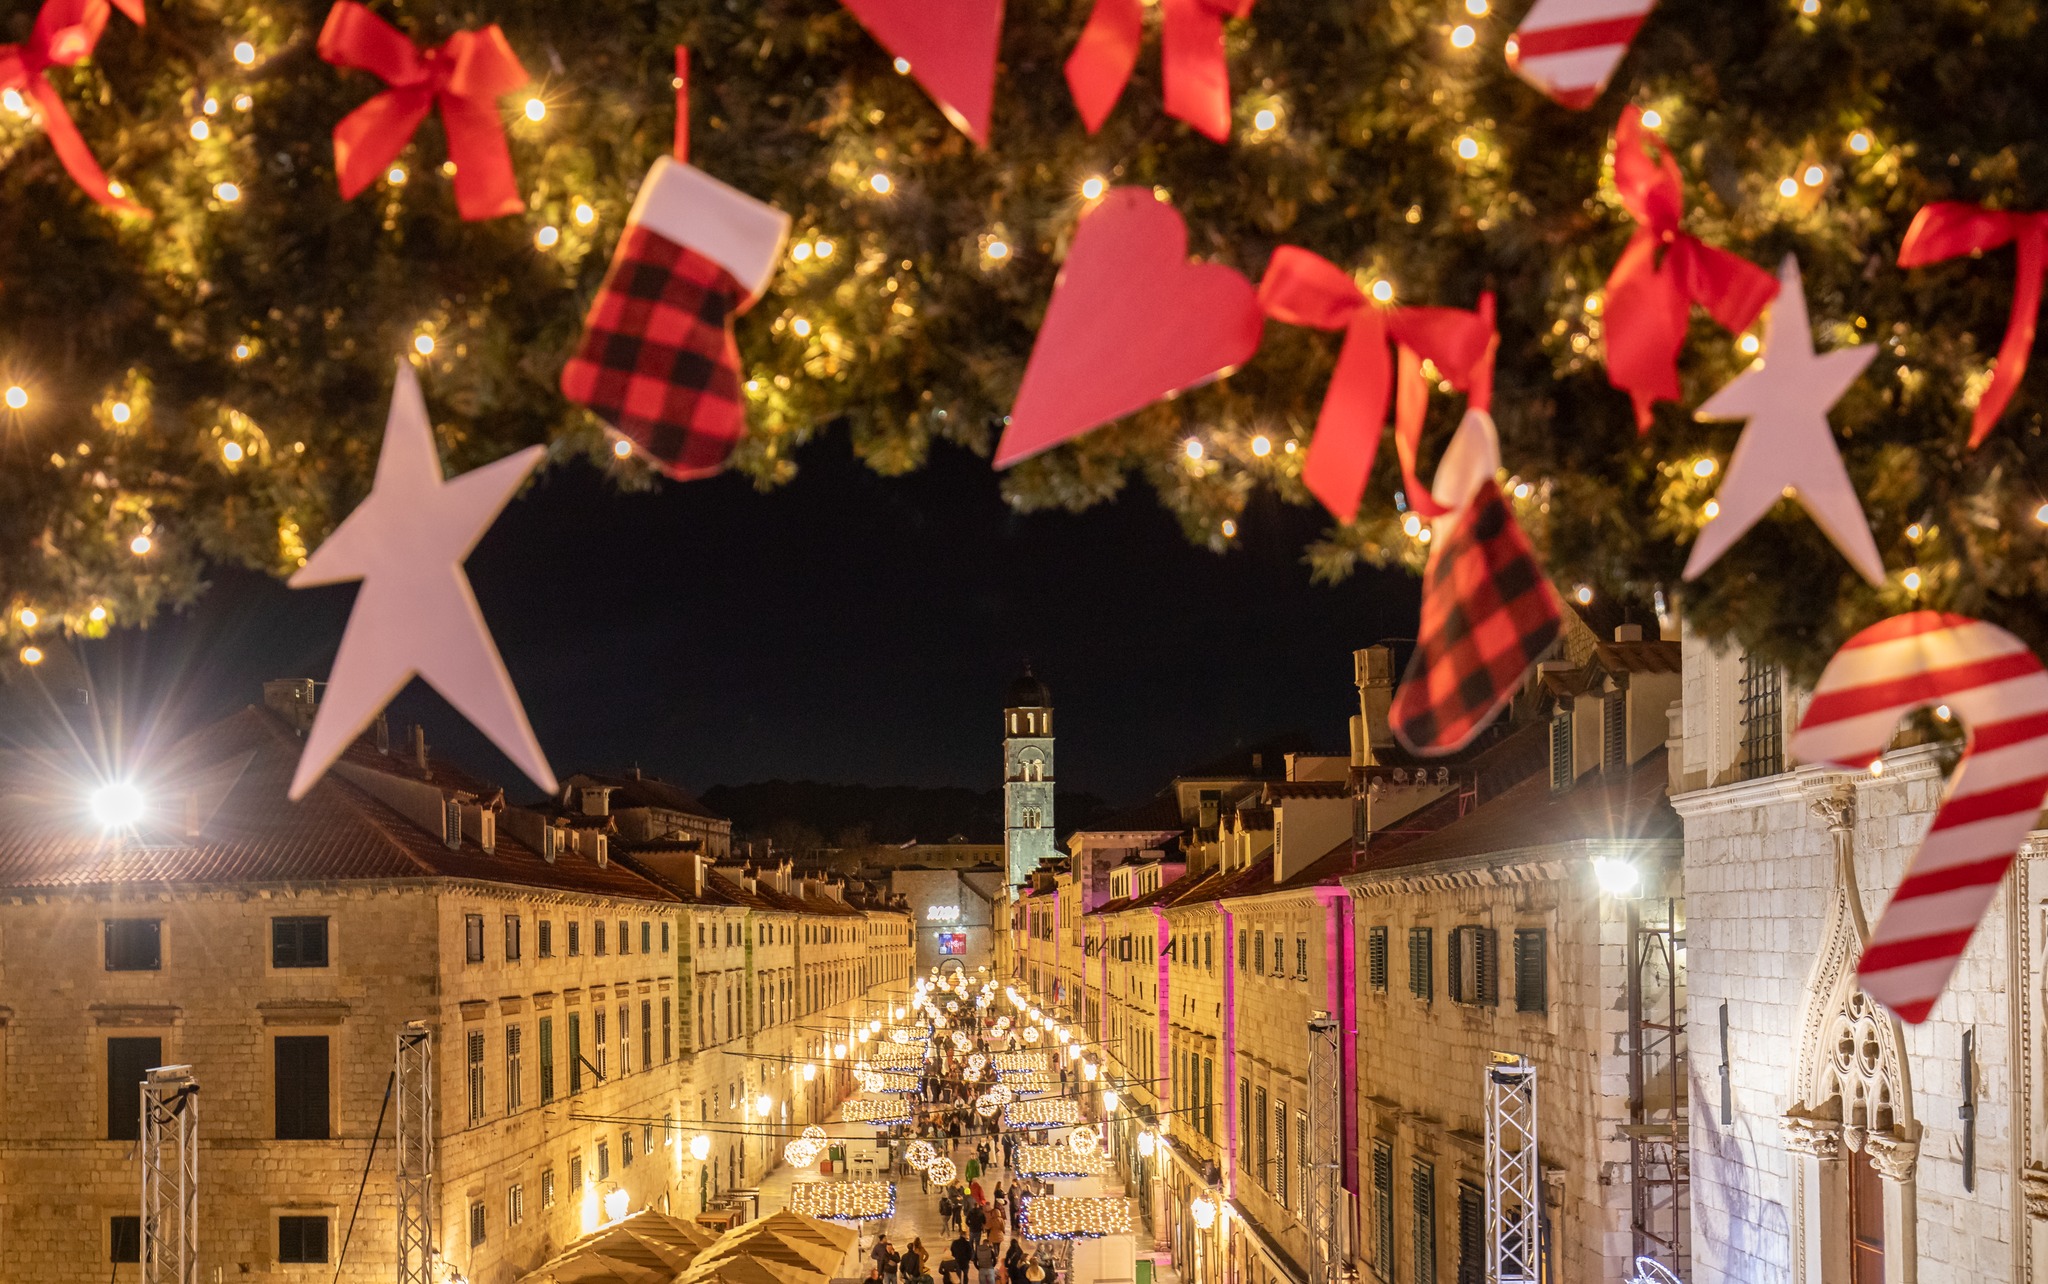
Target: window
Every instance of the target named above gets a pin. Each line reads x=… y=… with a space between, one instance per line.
x=575 y=938
x=604 y=1160
x=1262 y=1150
x=1244 y=1114
x=1422 y=1192
x=700 y=936
x=476 y=1077
x=625 y=937
x=625 y=1147
x=547 y=1188
x=298 y=942
x=664 y=938
x=1613 y=731
x=299 y=1063
x=511 y=938
x=302 y=1239
x=1209 y=1098
x=575 y=1052
x=1532 y=978
x=513 y=1068
x=1301 y=958
x=1259 y=953
x=647 y=1032
x=127 y=1059
x=135 y=945
x=575 y=1174
x=1471 y=1234
x=476 y=1222
x=124 y=1238
x=667 y=1037
x=1376 y=958
x=1209 y=951
x=515 y=1204
x=1561 y=748
x=1421 y=983
x=597 y=937
x=544 y=938
x=597 y=1041
x=1474 y=970
x=1383 y=1209
x=647 y=937
x=473 y=938
x=546 y=1033
x=1763 y=722
x=1301 y=1158
x=626 y=1039
x=1243 y=953
x=1280 y=1152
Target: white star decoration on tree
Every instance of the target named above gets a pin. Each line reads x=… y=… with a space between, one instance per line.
x=1787 y=448
x=416 y=614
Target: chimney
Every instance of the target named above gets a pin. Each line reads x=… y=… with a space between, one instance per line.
x=1258 y=763
x=1374 y=673
x=383 y=730
x=419 y=747
x=1628 y=633
x=636 y=771
x=292 y=699
x=597 y=800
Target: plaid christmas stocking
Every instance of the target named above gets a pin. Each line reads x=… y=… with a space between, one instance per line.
x=1488 y=613
x=658 y=361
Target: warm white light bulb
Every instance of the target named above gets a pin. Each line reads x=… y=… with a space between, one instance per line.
x=1093 y=187
x=245 y=53
x=536 y=109
x=117 y=804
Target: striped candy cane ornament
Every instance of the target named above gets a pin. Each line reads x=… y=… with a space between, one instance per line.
x=1570 y=48
x=1999 y=689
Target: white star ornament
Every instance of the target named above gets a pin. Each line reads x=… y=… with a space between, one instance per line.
x=415 y=614
x=1787 y=448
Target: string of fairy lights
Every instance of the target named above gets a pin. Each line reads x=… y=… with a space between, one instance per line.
x=568 y=225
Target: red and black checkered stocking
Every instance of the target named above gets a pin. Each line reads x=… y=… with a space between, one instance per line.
x=657 y=360
x=1488 y=613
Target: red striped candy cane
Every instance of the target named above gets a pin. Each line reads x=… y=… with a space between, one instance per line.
x=1570 y=48
x=1999 y=689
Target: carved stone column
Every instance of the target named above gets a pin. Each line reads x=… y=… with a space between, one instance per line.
x=1819 y=1198
x=1895 y=1159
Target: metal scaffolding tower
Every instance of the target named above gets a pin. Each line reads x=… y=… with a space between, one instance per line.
x=1514 y=1247
x=1326 y=1220
x=1659 y=1153
x=170 y=1176
x=415 y=1140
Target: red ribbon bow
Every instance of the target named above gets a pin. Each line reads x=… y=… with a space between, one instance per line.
x=1662 y=272
x=1303 y=288
x=65 y=34
x=1947 y=229
x=1192 y=66
x=465 y=77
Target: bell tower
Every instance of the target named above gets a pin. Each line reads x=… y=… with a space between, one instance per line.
x=1027 y=778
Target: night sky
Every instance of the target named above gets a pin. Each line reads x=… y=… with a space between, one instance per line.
x=847 y=627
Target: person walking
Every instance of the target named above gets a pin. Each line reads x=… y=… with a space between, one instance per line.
x=914 y=1258
x=1014 y=1262
x=963 y=1256
x=885 y=1259
x=985 y=1259
x=977 y=1220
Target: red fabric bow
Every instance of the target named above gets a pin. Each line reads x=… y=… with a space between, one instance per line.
x=1195 y=75
x=1303 y=288
x=1662 y=272
x=1947 y=229
x=465 y=77
x=65 y=34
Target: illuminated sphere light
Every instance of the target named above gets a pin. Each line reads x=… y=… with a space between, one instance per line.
x=120 y=412
x=813 y=1132
x=117 y=804
x=943 y=1171
x=584 y=214
x=1468 y=149
x=901 y=1036
x=231 y=451
x=31 y=655
x=953 y=1005
x=28 y=617
x=800 y=1153
x=977 y=1061
x=547 y=237
x=245 y=53
x=1083 y=1141
x=1031 y=1034
x=623 y=449
x=1203 y=1210
x=1462 y=36
x=986 y=1105
x=919 y=1154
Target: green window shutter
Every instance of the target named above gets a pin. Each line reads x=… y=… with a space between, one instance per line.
x=1421 y=948
x=1376 y=958
x=1383 y=1209
x=1532 y=979
x=1487 y=942
x=1422 y=1186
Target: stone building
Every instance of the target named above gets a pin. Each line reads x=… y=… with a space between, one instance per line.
x=1831 y=1142
x=954 y=909
x=1028 y=837
x=279 y=949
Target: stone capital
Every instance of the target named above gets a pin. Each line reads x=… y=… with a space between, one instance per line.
x=1806 y=1135
x=1893 y=1157
x=1836 y=809
x=2034 y=1189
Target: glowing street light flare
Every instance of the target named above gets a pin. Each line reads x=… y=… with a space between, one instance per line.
x=1463 y=37
x=17 y=397
x=245 y=53
x=201 y=131
x=141 y=545
x=700 y=1147
x=424 y=345
x=536 y=110
x=1093 y=188
x=1468 y=148
x=231 y=451
x=117 y=804
x=585 y=215
x=881 y=184
x=120 y=412
x=547 y=237
x=622 y=448
x=1617 y=877
x=31 y=655
x=28 y=617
